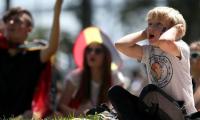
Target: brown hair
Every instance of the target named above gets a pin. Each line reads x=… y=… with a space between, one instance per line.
x=18 y=11
x=84 y=92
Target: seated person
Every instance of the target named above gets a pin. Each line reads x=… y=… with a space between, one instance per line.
x=87 y=87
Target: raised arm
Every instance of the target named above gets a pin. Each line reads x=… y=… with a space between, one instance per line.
x=54 y=36
x=167 y=41
x=128 y=46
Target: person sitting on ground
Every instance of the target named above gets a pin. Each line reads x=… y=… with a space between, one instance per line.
x=87 y=87
x=167 y=60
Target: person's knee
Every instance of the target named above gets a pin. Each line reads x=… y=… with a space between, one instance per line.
x=114 y=91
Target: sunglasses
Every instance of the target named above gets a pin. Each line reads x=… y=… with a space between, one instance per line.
x=95 y=50
x=14 y=21
x=195 y=55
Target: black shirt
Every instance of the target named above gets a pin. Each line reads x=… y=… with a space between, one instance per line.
x=19 y=75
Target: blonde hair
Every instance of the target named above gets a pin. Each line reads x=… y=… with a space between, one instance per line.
x=168 y=14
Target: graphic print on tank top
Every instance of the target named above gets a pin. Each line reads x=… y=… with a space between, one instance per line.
x=160 y=69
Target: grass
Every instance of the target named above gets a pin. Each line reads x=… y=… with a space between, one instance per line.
x=70 y=117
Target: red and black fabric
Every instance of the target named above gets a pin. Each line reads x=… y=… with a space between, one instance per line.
x=41 y=104
x=19 y=94
x=74 y=103
x=3 y=42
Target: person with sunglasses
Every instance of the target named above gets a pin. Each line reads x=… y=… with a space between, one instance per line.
x=195 y=71
x=21 y=66
x=87 y=87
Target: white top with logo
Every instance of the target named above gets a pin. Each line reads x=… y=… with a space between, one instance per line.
x=171 y=73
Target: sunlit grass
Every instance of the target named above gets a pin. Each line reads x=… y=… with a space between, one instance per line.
x=70 y=117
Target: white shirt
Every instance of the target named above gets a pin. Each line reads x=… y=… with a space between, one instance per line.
x=74 y=78
x=171 y=73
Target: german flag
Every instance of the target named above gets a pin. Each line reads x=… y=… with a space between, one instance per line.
x=94 y=34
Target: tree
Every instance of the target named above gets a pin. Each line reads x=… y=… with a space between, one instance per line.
x=7 y=4
x=133 y=13
x=83 y=11
x=190 y=11
x=86 y=13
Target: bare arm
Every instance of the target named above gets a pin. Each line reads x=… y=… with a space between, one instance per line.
x=167 y=40
x=54 y=37
x=128 y=46
x=65 y=99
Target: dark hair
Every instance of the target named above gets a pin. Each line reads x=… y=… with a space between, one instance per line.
x=18 y=11
x=84 y=92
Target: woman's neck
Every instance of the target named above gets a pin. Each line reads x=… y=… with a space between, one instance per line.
x=96 y=74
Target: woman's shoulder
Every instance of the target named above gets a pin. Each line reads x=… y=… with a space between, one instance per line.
x=76 y=71
x=74 y=75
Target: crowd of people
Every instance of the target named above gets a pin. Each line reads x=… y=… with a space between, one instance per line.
x=171 y=65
